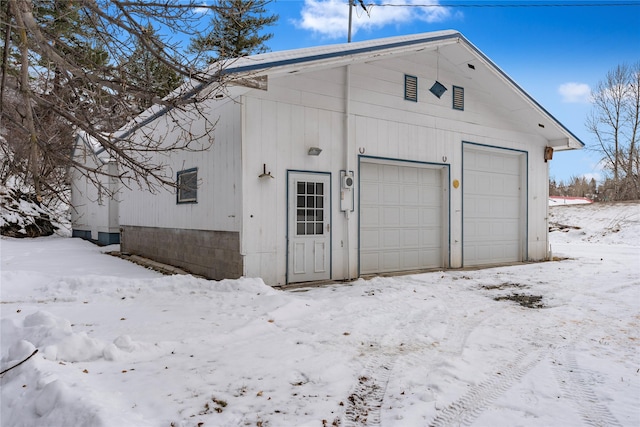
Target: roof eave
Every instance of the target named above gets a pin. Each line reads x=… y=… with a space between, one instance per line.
x=568 y=141
x=336 y=55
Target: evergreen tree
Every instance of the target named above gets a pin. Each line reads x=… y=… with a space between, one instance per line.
x=235 y=30
x=145 y=75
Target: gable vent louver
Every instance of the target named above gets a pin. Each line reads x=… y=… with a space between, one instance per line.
x=458 y=98
x=411 y=88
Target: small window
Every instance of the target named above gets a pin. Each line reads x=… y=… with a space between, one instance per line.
x=310 y=208
x=458 y=98
x=188 y=186
x=411 y=88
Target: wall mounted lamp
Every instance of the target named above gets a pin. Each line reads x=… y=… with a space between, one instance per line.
x=314 y=151
x=264 y=173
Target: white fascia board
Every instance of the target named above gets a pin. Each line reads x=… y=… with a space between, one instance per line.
x=338 y=55
x=565 y=134
x=564 y=144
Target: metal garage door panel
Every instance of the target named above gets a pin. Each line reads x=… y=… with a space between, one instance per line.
x=492 y=207
x=400 y=218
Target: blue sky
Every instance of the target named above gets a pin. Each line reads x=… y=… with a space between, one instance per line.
x=555 y=53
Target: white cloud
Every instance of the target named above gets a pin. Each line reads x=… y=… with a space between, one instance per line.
x=330 y=18
x=575 y=92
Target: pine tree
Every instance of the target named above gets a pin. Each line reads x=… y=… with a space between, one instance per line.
x=147 y=78
x=236 y=30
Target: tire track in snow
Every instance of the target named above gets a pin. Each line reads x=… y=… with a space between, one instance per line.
x=473 y=403
x=460 y=326
x=573 y=386
x=365 y=401
x=461 y=323
x=364 y=404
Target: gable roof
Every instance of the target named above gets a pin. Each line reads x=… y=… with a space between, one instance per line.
x=449 y=44
x=339 y=53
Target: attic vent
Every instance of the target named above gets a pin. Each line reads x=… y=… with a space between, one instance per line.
x=410 y=88
x=458 y=98
x=438 y=89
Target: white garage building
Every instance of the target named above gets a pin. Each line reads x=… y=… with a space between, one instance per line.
x=402 y=154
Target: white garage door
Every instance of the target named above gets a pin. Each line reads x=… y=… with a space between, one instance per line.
x=401 y=218
x=493 y=189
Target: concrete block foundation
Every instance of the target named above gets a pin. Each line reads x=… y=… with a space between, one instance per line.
x=212 y=254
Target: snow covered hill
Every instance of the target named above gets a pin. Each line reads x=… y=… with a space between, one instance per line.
x=553 y=343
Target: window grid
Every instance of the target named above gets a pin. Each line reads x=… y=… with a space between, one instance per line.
x=309 y=208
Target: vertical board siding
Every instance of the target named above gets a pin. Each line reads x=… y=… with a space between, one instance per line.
x=219 y=174
x=283 y=133
x=94 y=212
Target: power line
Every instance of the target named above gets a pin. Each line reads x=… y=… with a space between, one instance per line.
x=505 y=5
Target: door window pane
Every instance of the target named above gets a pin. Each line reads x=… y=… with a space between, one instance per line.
x=310 y=208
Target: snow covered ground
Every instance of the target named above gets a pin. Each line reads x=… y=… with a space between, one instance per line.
x=559 y=200
x=119 y=345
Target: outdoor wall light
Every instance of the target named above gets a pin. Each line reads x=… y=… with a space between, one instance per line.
x=264 y=173
x=438 y=89
x=315 y=151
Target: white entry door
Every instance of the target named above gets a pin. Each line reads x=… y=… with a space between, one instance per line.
x=309 y=209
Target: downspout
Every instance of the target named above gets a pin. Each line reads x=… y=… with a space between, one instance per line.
x=347 y=154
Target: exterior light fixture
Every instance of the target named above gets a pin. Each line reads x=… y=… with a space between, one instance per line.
x=314 y=151
x=264 y=173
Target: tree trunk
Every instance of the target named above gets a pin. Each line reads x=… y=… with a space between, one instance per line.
x=25 y=91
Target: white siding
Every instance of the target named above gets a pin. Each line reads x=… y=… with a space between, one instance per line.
x=93 y=210
x=278 y=134
x=219 y=178
x=308 y=109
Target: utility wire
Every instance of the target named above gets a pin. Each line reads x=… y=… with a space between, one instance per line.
x=506 y=5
